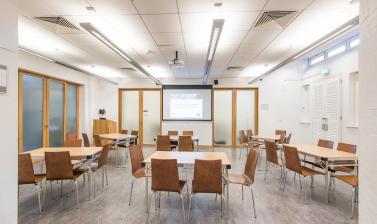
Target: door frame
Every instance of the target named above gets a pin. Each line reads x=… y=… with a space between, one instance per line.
x=234 y=113
x=141 y=101
x=45 y=116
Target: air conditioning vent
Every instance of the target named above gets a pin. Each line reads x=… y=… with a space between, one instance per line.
x=58 y=20
x=282 y=18
x=234 y=68
x=57 y=24
x=127 y=69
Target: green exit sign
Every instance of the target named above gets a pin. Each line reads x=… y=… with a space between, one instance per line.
x=325 y=71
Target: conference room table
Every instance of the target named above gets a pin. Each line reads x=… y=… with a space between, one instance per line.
x=265 y=137
x=89 y=153
x=174 y=138
x=118 y=139
x=330 y=157
x=185 y=159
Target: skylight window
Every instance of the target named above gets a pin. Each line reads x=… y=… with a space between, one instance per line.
x=317 y=59
x=354 y=43
x=336 y=51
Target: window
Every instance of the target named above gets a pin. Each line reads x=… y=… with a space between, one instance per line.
x=336 y=51
x=317 y=59
x=354 y=43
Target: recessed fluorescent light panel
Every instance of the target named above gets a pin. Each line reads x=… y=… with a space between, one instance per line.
x=217 y=27
x=336 y=51
x=101 y=37
x=317 y=59
x=354 y=43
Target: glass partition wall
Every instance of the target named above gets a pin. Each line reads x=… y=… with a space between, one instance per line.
x=48 y=111
x=140 y=110
x=234 y=109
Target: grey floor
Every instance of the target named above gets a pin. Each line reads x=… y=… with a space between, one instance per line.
x=111 y=205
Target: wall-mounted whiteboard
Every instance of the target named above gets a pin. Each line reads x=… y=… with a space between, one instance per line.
x=3 y=79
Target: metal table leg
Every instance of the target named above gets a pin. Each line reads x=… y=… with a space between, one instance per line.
x=227 y=195
x=327 y=180
x=146 y=188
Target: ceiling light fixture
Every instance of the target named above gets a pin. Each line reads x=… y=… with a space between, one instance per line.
x=101 y=37
x=62 y=64
x=217 y=27
x=335 y=33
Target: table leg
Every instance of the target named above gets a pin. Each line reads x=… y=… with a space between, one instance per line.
x=227 y=195
x=327 y=180
x=89 y=181
x=146 y=188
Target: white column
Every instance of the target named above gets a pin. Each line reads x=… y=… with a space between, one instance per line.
x=367 y=150
x=8 y=113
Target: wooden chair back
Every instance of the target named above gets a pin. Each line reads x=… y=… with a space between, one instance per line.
x=249 y=134
x=25 y=169
x=136 y=157
x=97 y=141
x=190 y=133
x=292 y=160
x=242 y=136
x=103 y=158
x=86 y=140
x=271 y=152
x=185 y=143
x=207 y=176
x=165 y=175
x=163 y=143
x=251 y=164
x=124 y=132
x=58 y=166
x=325 y=143
x=346 y=147
x=73 y=143
x=288 y=139
x=280 y=132
x=133 y=132
x=174 y=133
x=282 y=138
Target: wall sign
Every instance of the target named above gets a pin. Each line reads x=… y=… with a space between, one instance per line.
x=3 y=79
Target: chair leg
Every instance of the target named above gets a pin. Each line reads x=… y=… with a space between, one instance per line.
x=305 y=189
x=44 y=195
x=242 y=190
x=252 y=195
x=94 y=184
x=132 y=187
x=299 y=179
x=222 y=201
x=39 y=199
x=189 y=207
x=103 y=179
x=353 y=201
x=239 y=157
x=265 y=173
x=107 y=182
x=61 y=188
x=52 y=194
x=285 y=179
x=183 y=209
x=77 y=194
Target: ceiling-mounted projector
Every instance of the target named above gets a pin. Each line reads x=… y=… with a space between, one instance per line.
x=176 y=63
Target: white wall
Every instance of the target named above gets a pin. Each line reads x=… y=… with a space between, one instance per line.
x=368 y=112
x=8 y=114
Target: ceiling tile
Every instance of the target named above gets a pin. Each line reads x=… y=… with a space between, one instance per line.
x=287 y=4
x=174 y=39
x=34 y=8
x=69 y=7
x=156 y=6
x=163 y=23
x=113 y=7
x=190 y=6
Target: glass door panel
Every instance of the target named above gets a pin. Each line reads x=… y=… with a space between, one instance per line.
x=222 y=116
x=56 y=114
x=151 y=116
x=130 y=115
x=245 y=116
x=32 y=112
x=71 y=114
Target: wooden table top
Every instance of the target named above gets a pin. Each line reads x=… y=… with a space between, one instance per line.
x=73 y=151
x=321 y=152
x=117 y=136
x=266 y=137
x=188 y=158
x=175 y=137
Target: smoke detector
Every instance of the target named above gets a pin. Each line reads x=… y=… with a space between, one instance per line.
x=176 y=63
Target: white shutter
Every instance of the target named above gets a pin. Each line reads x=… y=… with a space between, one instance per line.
x=317 y=110
x=332 y=109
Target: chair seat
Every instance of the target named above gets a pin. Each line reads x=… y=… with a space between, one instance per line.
x=140 y=173
x=77 y=173
x=309 y=172
x=39 y=177
x=238 y=179
x=346 y=169
x=349 y=179
x=75 y=162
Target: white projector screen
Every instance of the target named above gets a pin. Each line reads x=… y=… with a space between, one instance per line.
x=187 y=103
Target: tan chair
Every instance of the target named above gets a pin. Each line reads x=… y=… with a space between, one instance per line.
x=345 y=148
x=165 y=178
x=124 y=132
x=254 y=143
x=59 y=167
x=190 y=133
x=73 y=143
x=97 y=141
x=243 y=142
x=138 y=171
x=247 y=178
x=287 y=139
x=272 y=157
x=292 y=162
x=173 y=133
x=86 y=140
x=101 y=164
x=280 y=132
x=353 y=181
x=136 y=133
x=163 y=143
x=325 y=143
x=26 y=174
x=185 y=143
x=281 y=139
x=207 y=179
